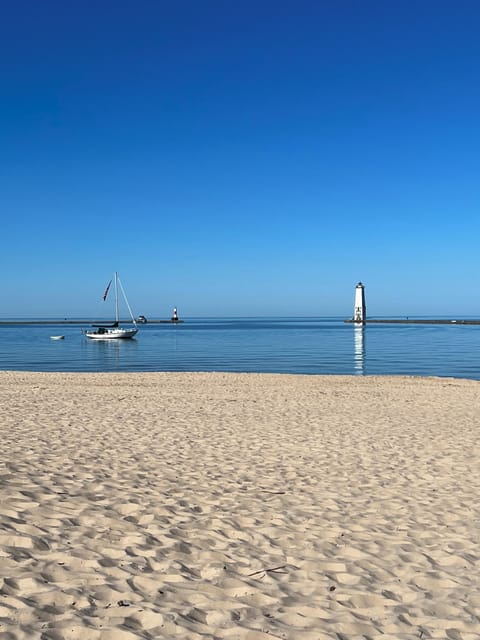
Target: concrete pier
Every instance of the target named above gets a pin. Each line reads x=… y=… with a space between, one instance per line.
x=82 y=322
x=413 y=321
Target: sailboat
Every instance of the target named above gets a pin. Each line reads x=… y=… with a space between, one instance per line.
x=112 y=331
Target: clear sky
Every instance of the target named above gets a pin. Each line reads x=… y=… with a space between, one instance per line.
x=240 y=158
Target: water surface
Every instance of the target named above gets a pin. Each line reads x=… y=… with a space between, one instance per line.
x=277 y=345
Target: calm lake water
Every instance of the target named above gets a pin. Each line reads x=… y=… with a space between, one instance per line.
x=277 y=345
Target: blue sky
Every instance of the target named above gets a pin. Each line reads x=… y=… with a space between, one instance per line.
x=240 y=158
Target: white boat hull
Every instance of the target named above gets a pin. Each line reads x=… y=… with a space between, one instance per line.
x=111 y=334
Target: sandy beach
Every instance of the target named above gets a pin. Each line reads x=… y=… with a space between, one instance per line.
x=238 y=506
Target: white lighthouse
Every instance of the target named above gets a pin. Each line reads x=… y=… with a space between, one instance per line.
x=360 y=309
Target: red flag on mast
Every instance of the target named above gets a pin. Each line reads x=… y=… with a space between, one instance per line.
x=106 y=291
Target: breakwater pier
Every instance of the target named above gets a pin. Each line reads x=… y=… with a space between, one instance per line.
x=411 y=321
x=66 y=321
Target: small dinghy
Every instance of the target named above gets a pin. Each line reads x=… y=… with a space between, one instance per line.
x=57 y=337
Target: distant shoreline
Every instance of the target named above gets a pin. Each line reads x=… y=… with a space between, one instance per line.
x=406 y=320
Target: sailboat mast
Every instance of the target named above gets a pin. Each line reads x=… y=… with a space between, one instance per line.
x=116 y=298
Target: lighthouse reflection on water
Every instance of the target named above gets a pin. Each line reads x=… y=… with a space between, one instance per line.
x=359 y=317
x=359 y=349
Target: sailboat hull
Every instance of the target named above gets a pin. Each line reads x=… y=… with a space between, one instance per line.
x=111 y=334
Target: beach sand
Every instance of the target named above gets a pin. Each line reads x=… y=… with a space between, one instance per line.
x=238 y=506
